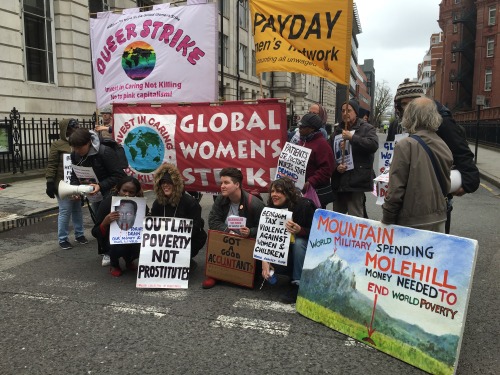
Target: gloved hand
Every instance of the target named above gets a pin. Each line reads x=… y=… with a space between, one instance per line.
x=51 y=189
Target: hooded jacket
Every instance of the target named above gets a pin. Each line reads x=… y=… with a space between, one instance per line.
x=179 y=204
x=105 y=164
x=55 y=165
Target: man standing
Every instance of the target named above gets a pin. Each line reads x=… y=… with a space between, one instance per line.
x=106 y=129
x=451 y=133
x=349 y=185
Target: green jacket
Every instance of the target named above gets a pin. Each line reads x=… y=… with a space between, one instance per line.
x=55 y=166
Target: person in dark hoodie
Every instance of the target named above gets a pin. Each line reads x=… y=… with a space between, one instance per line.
x=173 y=201
x=89 y=152
x=449 y=131
x=69 y=208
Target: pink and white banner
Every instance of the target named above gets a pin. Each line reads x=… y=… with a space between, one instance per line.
x=201 y=139
x=167 y=55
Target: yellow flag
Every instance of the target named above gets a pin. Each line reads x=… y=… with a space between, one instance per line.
x=311 y=37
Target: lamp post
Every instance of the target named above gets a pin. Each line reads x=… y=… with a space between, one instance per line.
x=479 y=102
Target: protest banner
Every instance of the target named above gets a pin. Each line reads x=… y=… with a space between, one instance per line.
x=201 y=139
x=273 y=240
x=292 y=163
x=128 y=228
x=401 y=290
x=165 y=253
x=303 y=37
x=158 y=56
x=229 y=258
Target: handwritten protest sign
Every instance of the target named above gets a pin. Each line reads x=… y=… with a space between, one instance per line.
x=229 y=258
x=402 y=290
x=68 y=168
x=165 y=253
x=292 y=163
x=272 y=241
x=128 y=228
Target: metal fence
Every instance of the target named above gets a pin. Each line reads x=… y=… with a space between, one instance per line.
x=25 y=143
x=488 y=132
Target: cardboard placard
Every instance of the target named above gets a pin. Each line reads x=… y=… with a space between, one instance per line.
x=229 y=258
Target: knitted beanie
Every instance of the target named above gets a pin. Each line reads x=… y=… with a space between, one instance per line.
x=311 y=120
x=409 y=89
x=355 y=106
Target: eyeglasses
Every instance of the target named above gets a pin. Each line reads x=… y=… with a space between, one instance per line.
x=73 y=123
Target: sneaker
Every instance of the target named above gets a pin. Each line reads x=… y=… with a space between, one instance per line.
x=82 y=240
x=106 y=260
x=291 y=295
x=208 y=283
x=115 y=271
x=65 y=245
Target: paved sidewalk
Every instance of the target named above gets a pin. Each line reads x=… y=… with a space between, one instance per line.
x=25 y=197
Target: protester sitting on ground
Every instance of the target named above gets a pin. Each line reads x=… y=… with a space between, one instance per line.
x=284 y=195
x=126 y=187
x=89 y=152
x=450 y=132
x=173 y=201
x=234 y=201
x=70 y=207
x=416 y=196
x=321 y=162
x=106 y=129
x=349 y=186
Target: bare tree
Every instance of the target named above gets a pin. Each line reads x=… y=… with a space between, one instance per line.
x=383 y=100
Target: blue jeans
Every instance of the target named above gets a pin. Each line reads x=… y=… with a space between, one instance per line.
x=68 y=209
x=296 y=256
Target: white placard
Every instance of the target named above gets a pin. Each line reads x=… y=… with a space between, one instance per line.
x=337 y=150
x=273 y=240
x=236 y=222
x=128 y=228
x=68 y=168
x=165 y=253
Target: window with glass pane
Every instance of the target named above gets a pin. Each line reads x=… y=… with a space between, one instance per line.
x=243 y=4
x=226 y=50
x=224 y=7
x=487 y=79
x=490 y=46
x=38 y=40
x=254 y=64
x=492 y=15
x=243 y=59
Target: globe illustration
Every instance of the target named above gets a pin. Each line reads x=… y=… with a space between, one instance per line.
x=144 y=148
x=138 y=60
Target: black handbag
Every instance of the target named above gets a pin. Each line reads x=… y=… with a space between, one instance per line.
x=325 y=194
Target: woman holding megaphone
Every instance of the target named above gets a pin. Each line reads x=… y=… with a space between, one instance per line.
x=69 y=207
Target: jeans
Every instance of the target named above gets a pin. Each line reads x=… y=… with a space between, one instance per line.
x=68 y=209
x=296 y=256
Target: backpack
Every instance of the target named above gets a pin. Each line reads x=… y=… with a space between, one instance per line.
x=119 y=151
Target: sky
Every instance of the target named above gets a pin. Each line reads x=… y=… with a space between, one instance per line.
x=396 y=34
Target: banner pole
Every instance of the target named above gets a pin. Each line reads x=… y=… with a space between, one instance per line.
x=260 y=84
x=345 y=122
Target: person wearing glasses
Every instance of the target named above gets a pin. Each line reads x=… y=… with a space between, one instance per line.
x=69 y=208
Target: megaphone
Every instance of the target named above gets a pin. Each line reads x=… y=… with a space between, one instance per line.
x=65 y=190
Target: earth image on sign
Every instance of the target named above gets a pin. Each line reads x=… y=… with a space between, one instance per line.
x=144 y=149
x=138 y=60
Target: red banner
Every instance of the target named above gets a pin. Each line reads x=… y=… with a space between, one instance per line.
x=201 y=139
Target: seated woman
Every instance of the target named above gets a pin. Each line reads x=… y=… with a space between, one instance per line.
x=283 y=194
x=173 y=201
x=126 y=187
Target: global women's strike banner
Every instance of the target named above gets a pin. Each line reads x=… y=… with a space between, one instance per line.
x=401 y=290
x=167 y=55
x=202 y=139
x=311 y=37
